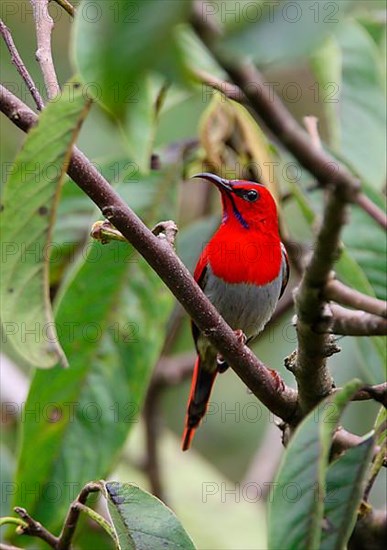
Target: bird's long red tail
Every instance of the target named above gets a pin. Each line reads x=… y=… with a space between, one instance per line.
x=202 y=382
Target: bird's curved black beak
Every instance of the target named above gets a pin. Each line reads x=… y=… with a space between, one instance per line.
x=222 y=183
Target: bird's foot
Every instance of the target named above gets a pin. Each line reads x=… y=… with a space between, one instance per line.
x=242 y=339
x=279 y=383
x=241 y=336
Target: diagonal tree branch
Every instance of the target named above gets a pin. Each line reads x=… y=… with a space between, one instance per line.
x=378 y=393
x=236 y=93
x=161 y=257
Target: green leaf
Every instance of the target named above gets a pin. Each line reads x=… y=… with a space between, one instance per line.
x=298 y=27
x=299 y=486
x=365 y=239
x=101 y=521
x=112 y=328
x=326 y=63
x=362 y=105
x=29 y=208
x=362 y=266
x=380 y=430
x=142 y=521
x=189 y=477
x=74 y=217
x=344 y=489
x=117 y=42
x=139 y=123
x=195 y=55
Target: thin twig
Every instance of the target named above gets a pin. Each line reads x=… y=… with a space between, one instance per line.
x=343 y=440
x=152 y=420
x=372 y=209
x=21 y=68
x=70 y=524
x=377 y=392
x=34 y=528
x=342 y=294
x=356 y=323
x=228 y=89
x=97 y=518
x=44 y=25
x=66 y=6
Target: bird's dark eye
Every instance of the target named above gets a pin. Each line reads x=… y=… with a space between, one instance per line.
x=251 y=195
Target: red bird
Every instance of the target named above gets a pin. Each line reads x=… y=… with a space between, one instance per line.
x=243 y=271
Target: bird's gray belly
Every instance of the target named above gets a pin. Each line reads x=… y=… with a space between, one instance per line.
x=244 y=306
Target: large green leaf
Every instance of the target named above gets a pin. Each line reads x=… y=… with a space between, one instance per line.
x=142 y=521
x=28 y=213
x=236 y=510
x=299 y=486
x=116 y=42
x=326 y=63
x=298 y=27
x=138 y=126
x=380 y=429
x=362 y=105
x=111 y=319
x=352 y=64
x=365 y=240
x=362 y=265
x=344 y=489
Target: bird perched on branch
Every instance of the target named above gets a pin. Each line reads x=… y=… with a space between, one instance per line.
x=243 y=270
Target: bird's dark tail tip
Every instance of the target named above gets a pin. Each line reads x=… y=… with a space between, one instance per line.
x=202 y=382
x=187 y=438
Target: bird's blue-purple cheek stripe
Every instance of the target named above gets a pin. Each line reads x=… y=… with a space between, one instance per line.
x=238 y=215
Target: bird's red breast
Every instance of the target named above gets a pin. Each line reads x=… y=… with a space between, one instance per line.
x=242 y=257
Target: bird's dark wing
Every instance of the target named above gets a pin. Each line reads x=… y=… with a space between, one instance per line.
x=285 y=269
x=200 y=276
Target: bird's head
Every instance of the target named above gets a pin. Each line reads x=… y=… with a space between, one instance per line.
x=246 y=204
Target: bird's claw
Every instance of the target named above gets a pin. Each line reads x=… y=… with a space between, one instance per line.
x=220 y=361
x=241 y=336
